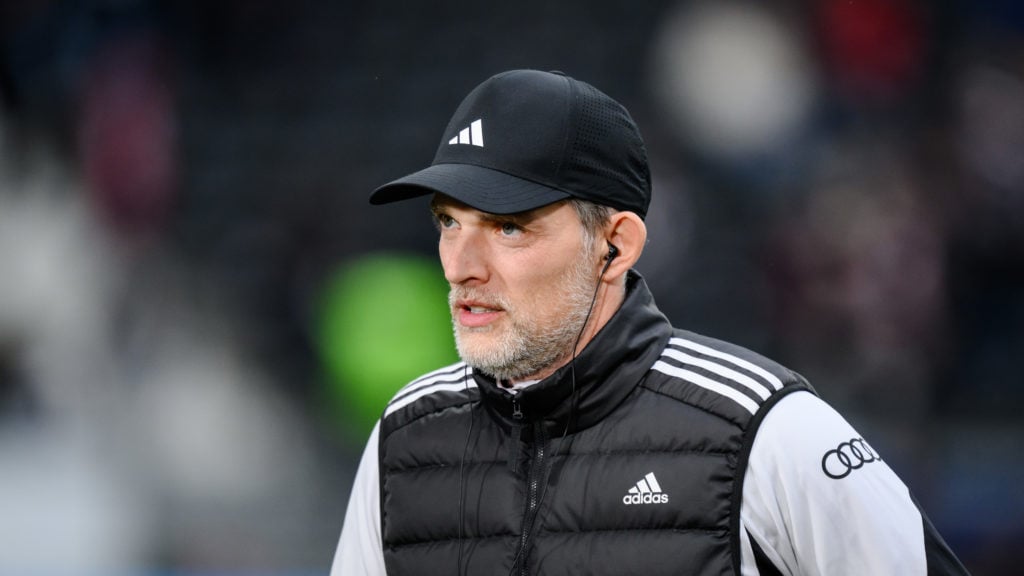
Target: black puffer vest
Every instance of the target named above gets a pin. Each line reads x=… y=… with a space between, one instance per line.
x=634 y=468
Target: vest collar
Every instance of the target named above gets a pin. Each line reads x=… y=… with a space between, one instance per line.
x=606 y=371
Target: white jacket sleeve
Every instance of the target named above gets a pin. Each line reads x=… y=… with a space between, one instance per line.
x=818 y=499
x=359 y=550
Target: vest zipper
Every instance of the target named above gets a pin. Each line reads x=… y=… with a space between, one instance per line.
x=535 y=480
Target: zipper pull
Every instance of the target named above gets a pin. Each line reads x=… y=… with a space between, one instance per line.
x=517 y=411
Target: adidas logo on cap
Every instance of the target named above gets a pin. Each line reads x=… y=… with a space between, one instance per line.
x=646 y=491
x=473 y=135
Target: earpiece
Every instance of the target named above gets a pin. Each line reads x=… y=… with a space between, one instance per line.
x=613 y=252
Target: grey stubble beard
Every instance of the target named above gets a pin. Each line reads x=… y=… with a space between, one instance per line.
x=529 y=348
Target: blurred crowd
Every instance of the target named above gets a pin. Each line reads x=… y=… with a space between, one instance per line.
x=837 y=183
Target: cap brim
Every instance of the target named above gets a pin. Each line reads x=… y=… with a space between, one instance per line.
x=482 y=188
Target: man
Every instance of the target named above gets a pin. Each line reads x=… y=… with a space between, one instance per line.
x=582 y=433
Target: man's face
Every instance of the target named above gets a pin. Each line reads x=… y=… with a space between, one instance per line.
x=521 y=286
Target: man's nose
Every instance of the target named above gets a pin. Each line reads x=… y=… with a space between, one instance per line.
x=464 y=258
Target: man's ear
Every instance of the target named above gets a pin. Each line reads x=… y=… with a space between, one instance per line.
x=627 y=232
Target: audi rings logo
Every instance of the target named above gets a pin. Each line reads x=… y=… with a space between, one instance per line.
x=839 y=462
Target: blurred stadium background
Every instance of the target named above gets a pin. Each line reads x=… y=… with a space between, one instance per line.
x=200 y=315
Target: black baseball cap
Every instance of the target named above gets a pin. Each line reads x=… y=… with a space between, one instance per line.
x=524 y=139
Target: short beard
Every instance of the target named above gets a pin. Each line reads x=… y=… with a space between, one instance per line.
x=528 y=348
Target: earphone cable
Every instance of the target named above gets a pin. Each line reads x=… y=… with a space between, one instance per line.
x=572 y=404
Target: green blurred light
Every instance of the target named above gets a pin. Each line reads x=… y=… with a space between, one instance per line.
x=383 y=321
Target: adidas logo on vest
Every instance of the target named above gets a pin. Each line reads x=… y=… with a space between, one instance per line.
x=646 y=491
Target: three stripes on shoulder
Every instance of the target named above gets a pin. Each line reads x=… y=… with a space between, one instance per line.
x=739 y=380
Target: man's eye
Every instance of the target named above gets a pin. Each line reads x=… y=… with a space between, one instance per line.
x=510 y=229
x=445 y=221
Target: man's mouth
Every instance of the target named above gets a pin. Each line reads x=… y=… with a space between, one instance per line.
x=475 y=314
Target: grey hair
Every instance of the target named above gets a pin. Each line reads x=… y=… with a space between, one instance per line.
x=593 y=217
